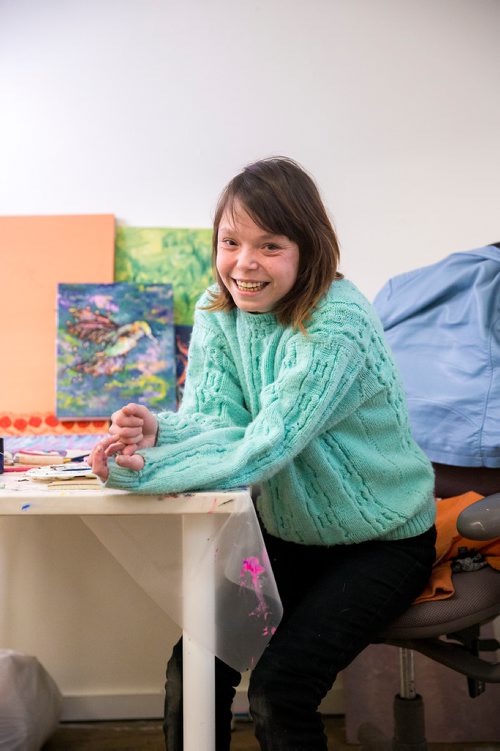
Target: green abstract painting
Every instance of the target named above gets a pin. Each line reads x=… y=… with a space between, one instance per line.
x=181 y=257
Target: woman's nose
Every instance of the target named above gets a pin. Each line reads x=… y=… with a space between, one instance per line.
x=247 y=259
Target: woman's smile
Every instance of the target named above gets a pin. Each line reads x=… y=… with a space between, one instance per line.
x=249 y=286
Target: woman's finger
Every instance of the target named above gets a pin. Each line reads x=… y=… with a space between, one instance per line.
x=127 y=434
x=103 y=444
x=129 y=449
x=100 y=464
x=114 y=448
x=134 y=462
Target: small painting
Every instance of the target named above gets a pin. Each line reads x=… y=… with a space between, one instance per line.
x=115 y=344
x=177 y=256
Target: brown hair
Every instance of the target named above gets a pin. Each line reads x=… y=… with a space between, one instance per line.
x=282 y=198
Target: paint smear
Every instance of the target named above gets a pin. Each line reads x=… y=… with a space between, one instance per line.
x=269 y=631
x=213 y=507
x=253 y=567
x=25 y=506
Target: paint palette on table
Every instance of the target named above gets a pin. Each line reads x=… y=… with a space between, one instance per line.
x=68 y=471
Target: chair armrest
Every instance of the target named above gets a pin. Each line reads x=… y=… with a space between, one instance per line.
x=481 y=520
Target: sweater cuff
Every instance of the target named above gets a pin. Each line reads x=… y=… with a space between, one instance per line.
x=122 y=478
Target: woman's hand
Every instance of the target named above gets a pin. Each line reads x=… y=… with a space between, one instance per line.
x=98 y=458
x=133 y=427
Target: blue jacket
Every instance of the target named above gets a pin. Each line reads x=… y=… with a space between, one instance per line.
x=443 y=325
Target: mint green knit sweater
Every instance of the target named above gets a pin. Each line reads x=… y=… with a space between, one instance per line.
x=318 y=420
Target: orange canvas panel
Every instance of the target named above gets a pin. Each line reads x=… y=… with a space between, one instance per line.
x=36 y=253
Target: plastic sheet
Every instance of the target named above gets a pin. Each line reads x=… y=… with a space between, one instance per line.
x=30 y=702
x=181 y=560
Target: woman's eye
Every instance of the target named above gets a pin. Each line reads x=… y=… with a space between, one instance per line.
x=228 y=242
x=271 y=246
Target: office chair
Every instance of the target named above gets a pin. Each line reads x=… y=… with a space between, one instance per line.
x=442 y=324
x=447 y=631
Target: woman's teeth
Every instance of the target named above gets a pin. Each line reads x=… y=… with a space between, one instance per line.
x=250 y=286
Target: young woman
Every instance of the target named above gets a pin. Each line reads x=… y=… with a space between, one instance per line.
x=291 y=386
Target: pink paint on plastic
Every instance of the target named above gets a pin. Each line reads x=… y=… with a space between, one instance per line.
x=252 y=567
x=269 y=631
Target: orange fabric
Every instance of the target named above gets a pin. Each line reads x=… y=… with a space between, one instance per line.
x=448 y=543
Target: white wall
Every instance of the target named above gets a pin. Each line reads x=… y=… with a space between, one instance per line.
x=145 y=108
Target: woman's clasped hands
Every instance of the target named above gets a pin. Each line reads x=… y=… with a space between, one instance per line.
x=132 y=427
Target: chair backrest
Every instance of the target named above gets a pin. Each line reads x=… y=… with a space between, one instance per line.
x=481 y=520
x=452 y=480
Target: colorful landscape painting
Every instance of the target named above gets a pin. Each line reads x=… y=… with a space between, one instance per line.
x=115 y=344
x=181 y=257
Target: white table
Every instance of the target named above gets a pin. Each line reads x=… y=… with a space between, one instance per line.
x=133 y=527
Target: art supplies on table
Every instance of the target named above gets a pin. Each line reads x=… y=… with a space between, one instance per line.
x=73 y=476
x=41 y=458
x=63 y=472
x=8 y=463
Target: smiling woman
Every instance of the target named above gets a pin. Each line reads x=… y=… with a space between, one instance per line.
x=292 y=388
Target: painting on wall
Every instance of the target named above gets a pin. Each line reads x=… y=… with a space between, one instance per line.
x=115 y=344
x=181 y=257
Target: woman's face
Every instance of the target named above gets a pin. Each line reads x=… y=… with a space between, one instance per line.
x=257 y=267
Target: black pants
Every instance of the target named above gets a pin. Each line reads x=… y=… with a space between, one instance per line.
x=336 y=600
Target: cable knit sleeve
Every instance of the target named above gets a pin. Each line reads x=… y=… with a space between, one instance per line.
x=212 y=395
x=314 y=374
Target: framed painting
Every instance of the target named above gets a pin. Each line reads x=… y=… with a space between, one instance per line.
x=115 y=344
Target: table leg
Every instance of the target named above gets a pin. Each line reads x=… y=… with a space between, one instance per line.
x=198 y=661
x=198 y=696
